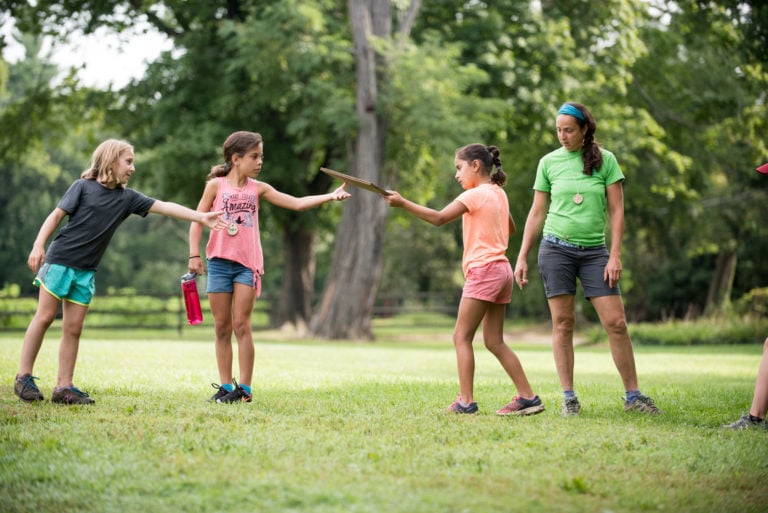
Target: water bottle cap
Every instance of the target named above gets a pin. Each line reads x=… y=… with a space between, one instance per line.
x=188 y=276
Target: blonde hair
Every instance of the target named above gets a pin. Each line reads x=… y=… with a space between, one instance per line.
x=102 y=160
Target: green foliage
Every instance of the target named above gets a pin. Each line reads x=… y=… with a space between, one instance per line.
x=359 y=427
x=678 y=90
x=701 y=332
x=754 y=303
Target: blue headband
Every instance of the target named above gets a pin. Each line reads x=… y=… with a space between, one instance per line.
x=569 y=109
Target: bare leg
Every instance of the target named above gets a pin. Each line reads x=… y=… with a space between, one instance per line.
x=221 y=308
x=242 y=307
x=71 y=328
x=493 y=336
x=610 y=309
x=561 y=308
x=760 y=399
x=471 y=312
x=47 y=307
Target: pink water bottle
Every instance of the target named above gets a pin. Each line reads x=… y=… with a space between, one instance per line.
x=191 y=298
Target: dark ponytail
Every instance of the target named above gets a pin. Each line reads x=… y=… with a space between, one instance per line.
x=591 y=155
x=238 y=143
x=488 y=157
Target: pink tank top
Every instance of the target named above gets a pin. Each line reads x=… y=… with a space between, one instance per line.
x=240 y=243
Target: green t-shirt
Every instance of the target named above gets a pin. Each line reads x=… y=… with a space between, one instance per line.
x=560 y=174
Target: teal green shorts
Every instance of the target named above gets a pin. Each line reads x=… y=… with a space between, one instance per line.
x=62 y=282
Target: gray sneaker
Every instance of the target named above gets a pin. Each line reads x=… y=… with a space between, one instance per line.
x=746 y=422
x=25 y=388
x=571 y=406
x=70 y=395
x=643 y=404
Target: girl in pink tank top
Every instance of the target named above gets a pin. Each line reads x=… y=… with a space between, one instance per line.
x=235 y=258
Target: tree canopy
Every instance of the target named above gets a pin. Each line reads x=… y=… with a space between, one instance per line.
x=678 y=90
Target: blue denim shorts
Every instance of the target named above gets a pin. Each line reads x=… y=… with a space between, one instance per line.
x=223 y=274
x=62 y=282
x=560 y=265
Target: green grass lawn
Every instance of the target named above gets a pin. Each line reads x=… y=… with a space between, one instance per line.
x=359 y=427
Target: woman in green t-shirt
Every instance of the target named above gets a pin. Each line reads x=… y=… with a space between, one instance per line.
x=576 y=185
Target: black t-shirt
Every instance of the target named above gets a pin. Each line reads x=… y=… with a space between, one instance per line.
x=95 y=212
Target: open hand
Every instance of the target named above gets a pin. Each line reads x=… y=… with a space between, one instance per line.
x=340 y=194
x=214 y=220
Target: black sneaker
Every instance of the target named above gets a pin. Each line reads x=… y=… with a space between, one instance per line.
x=70 y=395
x=747 y=422
x=235 y=396
x=220 y=392
x=25 y=388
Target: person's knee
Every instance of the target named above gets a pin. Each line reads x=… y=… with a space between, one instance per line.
x=494 y=344
x=223 y=330
x=461 y=339
x=616 y=325
x=72 y=329
x=241 y=327
x=564 y=324
x=44 y=319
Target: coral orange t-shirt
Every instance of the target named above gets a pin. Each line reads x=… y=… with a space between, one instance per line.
x=485 y=225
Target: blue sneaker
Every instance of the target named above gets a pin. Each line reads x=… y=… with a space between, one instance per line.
x=457 y=407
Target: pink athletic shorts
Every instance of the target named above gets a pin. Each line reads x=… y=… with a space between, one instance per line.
x=491 y=282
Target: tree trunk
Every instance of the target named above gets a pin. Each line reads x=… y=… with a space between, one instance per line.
x=720 y=288
x=346 y=308
x=295 y=304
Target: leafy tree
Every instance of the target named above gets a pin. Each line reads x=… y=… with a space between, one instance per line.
x=45 y=124
x=217 y=80
x=709 y=102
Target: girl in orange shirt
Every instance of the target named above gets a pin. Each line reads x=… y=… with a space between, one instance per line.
x=486 y=226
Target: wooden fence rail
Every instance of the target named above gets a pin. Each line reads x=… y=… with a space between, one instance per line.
x=167 y=311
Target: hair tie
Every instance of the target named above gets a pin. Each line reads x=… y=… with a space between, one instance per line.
x=570 y=110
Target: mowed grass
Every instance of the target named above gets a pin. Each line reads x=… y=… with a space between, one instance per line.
x=360 y=427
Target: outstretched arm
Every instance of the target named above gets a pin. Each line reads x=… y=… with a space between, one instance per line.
x=451 y=212
x=284 y=200
x=211 y=219
x=37 y=255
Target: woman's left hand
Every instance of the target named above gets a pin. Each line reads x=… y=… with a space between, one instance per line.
x=612 y=272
